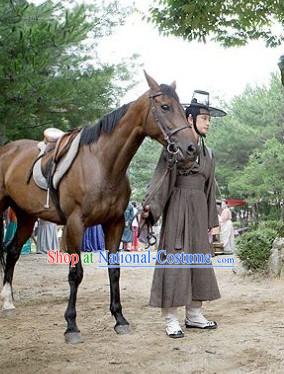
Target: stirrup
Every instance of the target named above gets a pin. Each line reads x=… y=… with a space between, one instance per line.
x=47 y=206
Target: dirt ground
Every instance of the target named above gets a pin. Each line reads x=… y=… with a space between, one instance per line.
x=250 y=338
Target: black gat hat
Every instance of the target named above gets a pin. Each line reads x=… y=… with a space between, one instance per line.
x=200 y=100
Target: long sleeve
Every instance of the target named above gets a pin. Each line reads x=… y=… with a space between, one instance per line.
x=210 y=190
x=160 y=188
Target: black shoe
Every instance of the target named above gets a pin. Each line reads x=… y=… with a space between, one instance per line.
x=210 y=325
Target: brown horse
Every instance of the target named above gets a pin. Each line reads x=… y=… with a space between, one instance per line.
x=94 y=190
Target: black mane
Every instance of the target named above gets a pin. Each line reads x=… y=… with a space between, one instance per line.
x=106 y=124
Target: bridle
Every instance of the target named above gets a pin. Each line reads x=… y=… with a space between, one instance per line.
x=171 y=147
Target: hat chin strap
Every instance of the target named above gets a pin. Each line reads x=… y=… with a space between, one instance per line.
x=202 y=136
x=195 y=128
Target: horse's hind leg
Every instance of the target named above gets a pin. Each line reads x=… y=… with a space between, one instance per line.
x=113 y=233
x=25 y=224
x=73 y=234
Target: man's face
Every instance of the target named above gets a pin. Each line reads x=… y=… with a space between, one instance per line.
x=202 y=121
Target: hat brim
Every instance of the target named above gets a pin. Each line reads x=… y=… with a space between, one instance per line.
x=214 y=112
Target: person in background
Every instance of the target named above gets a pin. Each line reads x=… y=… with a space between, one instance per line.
x=227 y=235
x=134 y=225
x=127 y=236
x=94 y=239
x=47 y=239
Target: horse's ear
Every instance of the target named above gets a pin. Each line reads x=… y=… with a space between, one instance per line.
x=151 y=82
x=174 y=85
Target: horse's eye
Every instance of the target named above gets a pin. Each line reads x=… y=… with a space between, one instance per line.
x=165 y=107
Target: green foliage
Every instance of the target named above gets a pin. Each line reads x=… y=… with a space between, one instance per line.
x=231 y=23
x=225 y=138
x=248 y=146
x=47 y=76
x=254 y=248
x=277 y=226
x=262 y=178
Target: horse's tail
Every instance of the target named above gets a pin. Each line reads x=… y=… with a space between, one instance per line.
x=2 y=247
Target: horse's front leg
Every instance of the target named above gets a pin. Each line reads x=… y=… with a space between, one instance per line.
x=73 y=235
x=113 y=233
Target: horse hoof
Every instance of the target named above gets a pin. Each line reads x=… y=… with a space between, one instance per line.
x=122 y=329
x=73 y=338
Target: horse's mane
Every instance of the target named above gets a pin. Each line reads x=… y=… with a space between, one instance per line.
x=106 y=124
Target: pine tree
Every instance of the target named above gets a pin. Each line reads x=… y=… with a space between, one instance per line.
x=46 y=75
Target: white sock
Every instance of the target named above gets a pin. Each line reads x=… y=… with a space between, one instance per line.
x=172 y=323
x=194 y=314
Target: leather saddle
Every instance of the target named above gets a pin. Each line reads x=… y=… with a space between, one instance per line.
x=56 y=154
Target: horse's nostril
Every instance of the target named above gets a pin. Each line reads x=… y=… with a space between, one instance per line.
x=191 y=148
x=172 y=148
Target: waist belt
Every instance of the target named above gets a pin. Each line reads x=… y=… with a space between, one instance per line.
x=190 y=183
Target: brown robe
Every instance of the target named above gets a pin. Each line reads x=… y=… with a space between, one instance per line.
x=186 y=199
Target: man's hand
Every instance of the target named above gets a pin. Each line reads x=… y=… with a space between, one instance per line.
x=214 y=230
x=143 y=220
x=146 y=234
x=146 y=211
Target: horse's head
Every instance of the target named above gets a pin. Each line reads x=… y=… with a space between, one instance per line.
x=165 y=121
